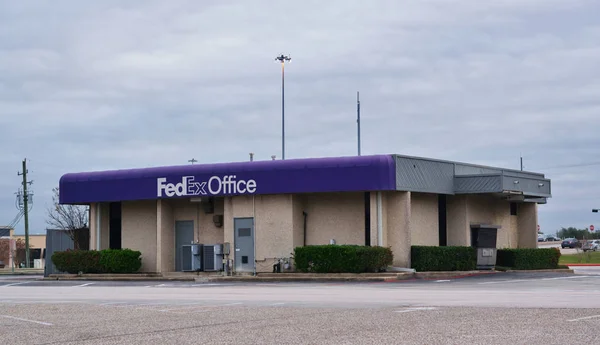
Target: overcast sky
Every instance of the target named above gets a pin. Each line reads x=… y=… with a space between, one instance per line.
x=101 y=85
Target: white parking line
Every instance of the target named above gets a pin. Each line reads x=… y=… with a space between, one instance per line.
x=13 y=284
x=442 y=281
x=26 y=320
x=571 y=277
x=82 y=285
x=414 y=309
x=585 y=318
x=199 y=306
x=533 y=280
x=505 y=281
x=112 y=303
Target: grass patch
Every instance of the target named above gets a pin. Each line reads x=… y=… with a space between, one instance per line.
x=580 y=258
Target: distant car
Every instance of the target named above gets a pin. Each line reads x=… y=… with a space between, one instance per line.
x=570 y=243
x=592 y=245
x=552 y=238
x=541 y=238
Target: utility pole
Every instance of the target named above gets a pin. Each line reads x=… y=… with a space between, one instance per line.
x=283 y=59
x=193 y=160
x=358 y=119
x=25 y=210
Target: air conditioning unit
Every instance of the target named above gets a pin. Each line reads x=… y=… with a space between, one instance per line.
x=213 y=257
x=191 y=257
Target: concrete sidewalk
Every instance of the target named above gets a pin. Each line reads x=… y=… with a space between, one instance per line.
x=21 y=271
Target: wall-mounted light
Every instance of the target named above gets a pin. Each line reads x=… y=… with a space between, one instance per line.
x=540 y=185
x=516 y=181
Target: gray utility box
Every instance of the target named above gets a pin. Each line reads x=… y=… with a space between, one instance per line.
x=191 y=257
x=213 y=257
x=484 y=238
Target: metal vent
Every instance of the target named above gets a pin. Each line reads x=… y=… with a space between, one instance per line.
x=213 y=257
x=209 y=258
x=191 y=257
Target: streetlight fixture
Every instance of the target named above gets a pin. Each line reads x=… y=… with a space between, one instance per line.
x=283 y=59
x=595 y=210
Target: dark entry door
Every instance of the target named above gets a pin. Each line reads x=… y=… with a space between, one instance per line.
x=184 y=234
x=244 y=244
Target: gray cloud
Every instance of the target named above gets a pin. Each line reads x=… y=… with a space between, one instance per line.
x=94 y=86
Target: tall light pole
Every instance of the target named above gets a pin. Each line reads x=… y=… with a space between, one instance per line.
x=358 y=119
x=283 y=59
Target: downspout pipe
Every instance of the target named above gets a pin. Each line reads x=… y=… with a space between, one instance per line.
x=304 y=235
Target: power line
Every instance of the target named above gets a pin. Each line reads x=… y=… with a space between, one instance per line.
x=570 y=166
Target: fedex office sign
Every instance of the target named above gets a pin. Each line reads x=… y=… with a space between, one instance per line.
x=214 y=186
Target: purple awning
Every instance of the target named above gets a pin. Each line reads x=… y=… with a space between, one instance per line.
x=313 y=175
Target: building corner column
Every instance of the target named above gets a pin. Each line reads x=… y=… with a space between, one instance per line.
x=527 y=220
x=399 y=227
x=159 y=224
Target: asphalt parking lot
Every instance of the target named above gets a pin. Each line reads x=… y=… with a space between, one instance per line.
x=519 y=308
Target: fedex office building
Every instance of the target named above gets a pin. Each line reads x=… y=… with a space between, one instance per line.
x=264 y=209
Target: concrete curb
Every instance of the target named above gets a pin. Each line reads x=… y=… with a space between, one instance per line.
x=116 y=278
x=21 y=274
x=451 y=274
x=277 y=277
x=582 y=265
x=295 y=279
x=558 y=270
x=298 y=277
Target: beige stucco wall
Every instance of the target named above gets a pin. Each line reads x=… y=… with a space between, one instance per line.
x=457 y=220
x=35 y=241
x=514 y=234
x=166 y=240
x=273 y=217
x=424 y=219
x=338 y=216
x=93 y=210
x=205 y=230
x=527 y=222
x=464 y=210
x=139 y=224
x=298 y=206
x=398 y=218
x=279 y=222
x=407 y=218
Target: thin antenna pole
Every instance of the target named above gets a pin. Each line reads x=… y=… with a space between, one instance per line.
x=358 y=118
x=521 y=163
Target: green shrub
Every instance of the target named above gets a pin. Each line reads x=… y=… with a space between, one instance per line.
x=93 y=261
x=75 y=261
x=450 y=258
x=341 y=258
x=120 y=260
x=528 y=258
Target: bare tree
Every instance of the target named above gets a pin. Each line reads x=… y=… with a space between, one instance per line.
x=72 y=218
x=18 y=252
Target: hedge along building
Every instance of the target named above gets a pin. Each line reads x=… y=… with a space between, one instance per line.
x=267 y=208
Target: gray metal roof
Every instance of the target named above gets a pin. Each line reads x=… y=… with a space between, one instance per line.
x=427 y=175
